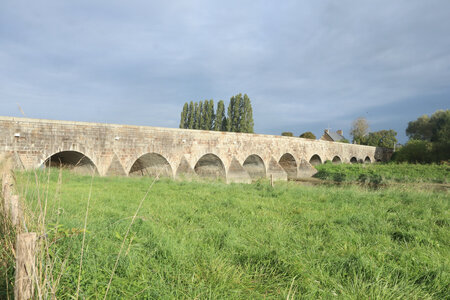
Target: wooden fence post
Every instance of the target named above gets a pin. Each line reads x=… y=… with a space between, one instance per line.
x=25 y=266
x=271 y=180
x=16 y=213
x=7 y=186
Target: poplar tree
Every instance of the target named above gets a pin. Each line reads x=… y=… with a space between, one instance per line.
x=201 y=115
x=184 y=116
x=201 y=110
x=247 y=115
x=230 y=114
x=191 y=116
x=206 y=115
x=211 y=115
x=237 y=113
x=196 y=116
x=220 y=120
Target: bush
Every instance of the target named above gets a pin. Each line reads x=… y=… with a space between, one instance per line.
x=415 y=151
x=308 y=135
x=287 y=133
x=339 y=177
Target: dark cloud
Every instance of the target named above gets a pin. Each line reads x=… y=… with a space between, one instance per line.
x=305 y=66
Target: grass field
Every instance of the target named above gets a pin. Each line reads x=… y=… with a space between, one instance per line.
x=216 y=241
x=384 y=173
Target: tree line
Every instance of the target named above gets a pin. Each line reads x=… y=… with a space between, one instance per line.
x=201 y=115
x=429 y=138
x=361 y=135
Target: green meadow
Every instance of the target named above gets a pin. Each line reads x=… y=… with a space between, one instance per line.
x=210 y=240
x=384 y=173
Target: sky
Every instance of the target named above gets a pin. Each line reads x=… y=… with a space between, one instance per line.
x=306 y=65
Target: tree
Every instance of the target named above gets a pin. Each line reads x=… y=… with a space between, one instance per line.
x=200 y=115
x=230 y=114
x=287 y=133
x=433 y=129
x=344 y=140
x=220 y=122
x=184 y=116
x=240 y=114
x=429 y=139
x=191 y=116
x=359 y=130
x=308 y=135
x=197 y=116
x=211 y=115
x=382 y=138
x=246 y=116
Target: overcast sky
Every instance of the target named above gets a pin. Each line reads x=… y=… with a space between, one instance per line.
x=306 y=65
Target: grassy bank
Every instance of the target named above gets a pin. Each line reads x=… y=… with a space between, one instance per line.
x=378 y=173
x=212 y=240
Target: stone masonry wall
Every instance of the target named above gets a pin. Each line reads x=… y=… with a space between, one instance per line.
x=115 y=148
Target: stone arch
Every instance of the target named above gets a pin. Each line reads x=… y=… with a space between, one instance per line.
x=288 y=163
x=315 y=160
x=151 y=164
x=336 y=160
x=210 y=166
x=353 y=160
x=367 y=160
x=72 y=160
x=255 y=167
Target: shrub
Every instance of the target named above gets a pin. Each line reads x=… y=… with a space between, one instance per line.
x=415 y=151
x=308 y=135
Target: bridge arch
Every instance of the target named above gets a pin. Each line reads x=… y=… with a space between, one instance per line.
x=289 y=164
x=315 y=160
x=337 y=160
x=255 y=167
x=367 y=160
x=73 y=160
x=353 y=160
x=151 y=164
x=210 y=166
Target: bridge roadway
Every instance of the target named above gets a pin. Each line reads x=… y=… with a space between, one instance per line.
x=111 y=149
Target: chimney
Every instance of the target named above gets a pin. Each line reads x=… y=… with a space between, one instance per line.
x=326 y=131
x=340 y=132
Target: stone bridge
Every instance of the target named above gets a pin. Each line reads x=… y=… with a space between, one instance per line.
x=110 y=149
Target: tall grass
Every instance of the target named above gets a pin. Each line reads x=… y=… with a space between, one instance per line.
x=392 y=172
x=212 y=240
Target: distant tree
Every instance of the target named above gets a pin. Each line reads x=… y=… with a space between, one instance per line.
x=308 y=135
x=220 y=122
x=415 y=151
x=287 y=133
x=201 y=115
x=197 y=117
x=240 y=114
x=184 y=116
x=247 y=115
x=230 y=114
x=344 y=140
x=191 y=116
x=359 y=130
x=211 y=115
x=433 y=129
x=429 y=139
x=382 y=138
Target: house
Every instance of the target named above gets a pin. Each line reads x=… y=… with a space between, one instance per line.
x=332 y=136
